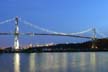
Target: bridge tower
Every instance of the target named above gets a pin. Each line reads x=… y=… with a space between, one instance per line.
x=16 y=34
x=94 y=39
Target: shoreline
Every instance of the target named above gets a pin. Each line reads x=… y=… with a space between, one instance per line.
x=57 y=51
x=101 y=45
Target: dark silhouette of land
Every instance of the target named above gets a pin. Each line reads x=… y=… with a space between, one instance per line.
x=100 y=45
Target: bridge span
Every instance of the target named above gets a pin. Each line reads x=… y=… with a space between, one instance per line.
x=16 y=32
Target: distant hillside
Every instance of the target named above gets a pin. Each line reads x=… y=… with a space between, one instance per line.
x=100 y=43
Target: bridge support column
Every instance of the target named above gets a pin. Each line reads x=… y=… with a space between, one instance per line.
x=94 y=39
x=16 y=34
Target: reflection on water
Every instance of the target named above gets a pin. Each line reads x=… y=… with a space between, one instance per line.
x=93 y=61
x=82 y=61
x=16 y=62
x=54 y=62
x=32 y=62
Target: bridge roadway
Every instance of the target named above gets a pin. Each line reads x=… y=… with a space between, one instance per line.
x=34 y=34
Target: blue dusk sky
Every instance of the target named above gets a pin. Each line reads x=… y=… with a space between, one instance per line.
x=57 y=15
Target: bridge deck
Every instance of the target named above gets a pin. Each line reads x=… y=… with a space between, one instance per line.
x=34 y=34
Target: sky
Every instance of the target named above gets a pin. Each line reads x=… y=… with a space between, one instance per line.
x=58 y=15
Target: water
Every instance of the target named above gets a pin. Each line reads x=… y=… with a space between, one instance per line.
x=54 y=62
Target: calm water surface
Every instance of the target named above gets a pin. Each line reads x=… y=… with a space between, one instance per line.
x=54 y=62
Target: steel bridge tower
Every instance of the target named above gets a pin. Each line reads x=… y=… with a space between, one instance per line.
x=94 y=39
x=16 y=34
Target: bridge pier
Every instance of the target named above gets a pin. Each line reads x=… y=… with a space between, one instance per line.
x=16 y=34
x=94 y=44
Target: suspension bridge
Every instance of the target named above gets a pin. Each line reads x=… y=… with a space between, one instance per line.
x=16 y=32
